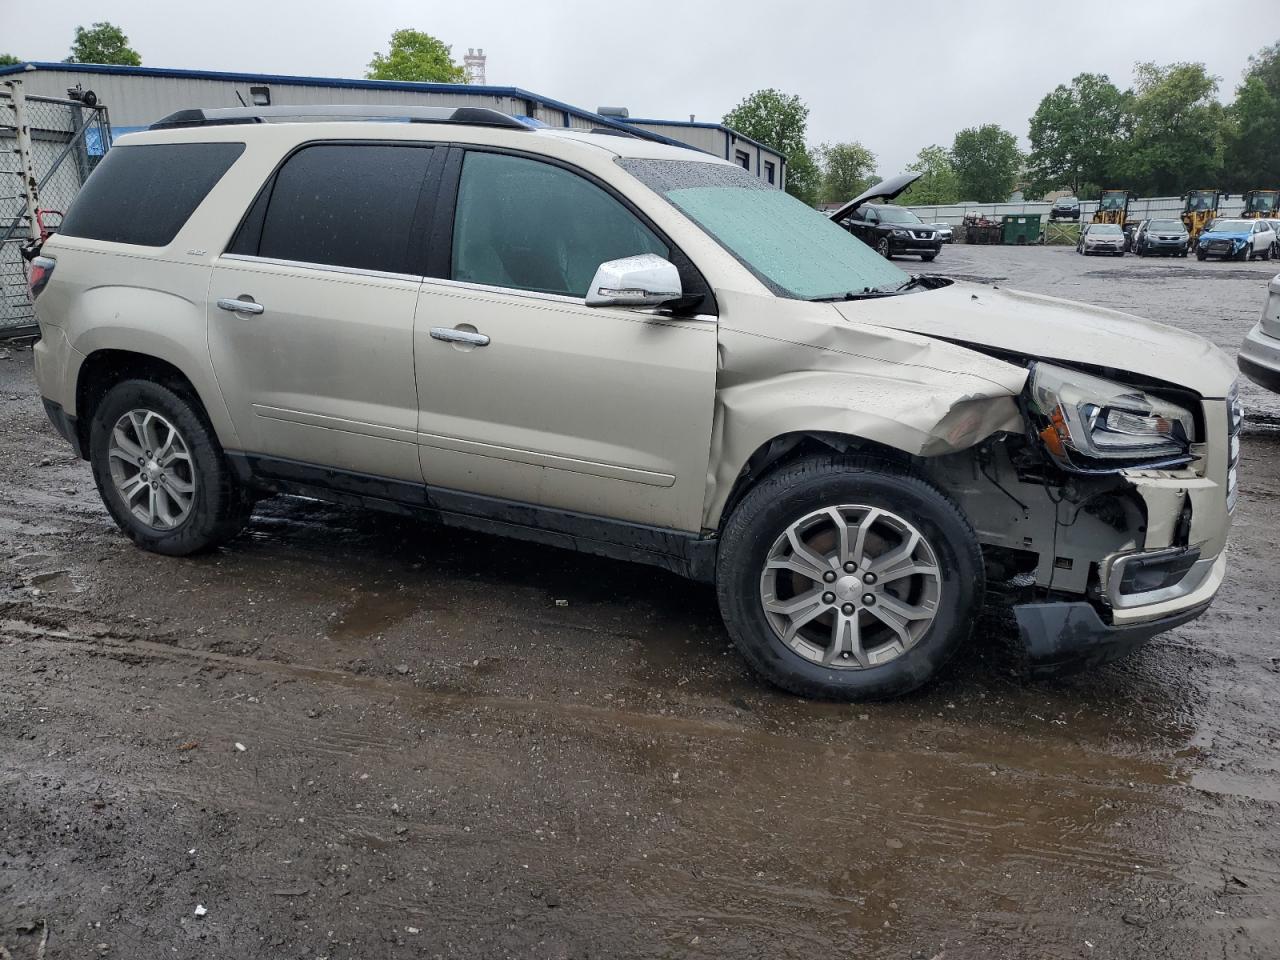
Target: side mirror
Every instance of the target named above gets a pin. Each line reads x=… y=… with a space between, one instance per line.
x=641 y=281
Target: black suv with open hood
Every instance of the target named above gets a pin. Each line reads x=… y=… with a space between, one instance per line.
x=887 y=229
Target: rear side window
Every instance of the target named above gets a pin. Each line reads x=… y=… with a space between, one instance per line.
x=143 y=194
x=343 y=205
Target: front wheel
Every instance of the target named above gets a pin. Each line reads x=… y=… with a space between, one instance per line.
x=161 y=472
x=928 y=257
x=1200 y=254
x=848 y=578
x=882 y=248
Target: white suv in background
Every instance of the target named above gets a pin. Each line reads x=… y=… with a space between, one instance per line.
x=634 y=350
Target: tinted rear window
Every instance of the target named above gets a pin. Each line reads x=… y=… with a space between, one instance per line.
x=345 y=205
x=144 y=194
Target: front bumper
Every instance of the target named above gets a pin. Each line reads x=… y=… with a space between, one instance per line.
x=1103 y=247
x=1065 y=637
x=1221 y=248
x=1165 y=246
x=1259 y=359
x=913 y=245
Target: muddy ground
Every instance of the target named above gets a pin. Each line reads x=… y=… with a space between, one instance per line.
x=348 y=735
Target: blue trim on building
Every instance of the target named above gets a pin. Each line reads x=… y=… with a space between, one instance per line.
x=334 y=82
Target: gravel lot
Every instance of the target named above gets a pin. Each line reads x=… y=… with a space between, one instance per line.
x=351 y=736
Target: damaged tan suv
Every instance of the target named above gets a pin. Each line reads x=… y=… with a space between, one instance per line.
x=634 y=350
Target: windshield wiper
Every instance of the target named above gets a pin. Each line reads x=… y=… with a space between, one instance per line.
x=866 y=293
x=914 y=281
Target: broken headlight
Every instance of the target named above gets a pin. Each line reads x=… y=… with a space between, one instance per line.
x=1088 y=424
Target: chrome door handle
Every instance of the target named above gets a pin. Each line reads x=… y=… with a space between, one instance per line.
x=451 y=335
x=240 y=306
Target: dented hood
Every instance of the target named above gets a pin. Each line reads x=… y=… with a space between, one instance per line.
x=1051 y=328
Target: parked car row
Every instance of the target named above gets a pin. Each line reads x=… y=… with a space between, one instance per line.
x=1229 y=239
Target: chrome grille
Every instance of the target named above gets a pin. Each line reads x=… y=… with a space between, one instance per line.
x=1235 y=421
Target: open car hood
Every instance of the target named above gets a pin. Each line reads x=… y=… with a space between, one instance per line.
x=884 y=190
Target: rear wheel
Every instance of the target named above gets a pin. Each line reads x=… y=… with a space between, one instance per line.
x=161 y=472
x=849 y=578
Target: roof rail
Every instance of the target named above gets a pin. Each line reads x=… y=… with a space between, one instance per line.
x=221 y=116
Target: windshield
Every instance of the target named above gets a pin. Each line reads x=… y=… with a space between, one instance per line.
x=1167 y=225
x=1100 y=228
x=897 y=215
x=1230 y=226
x=794 y=250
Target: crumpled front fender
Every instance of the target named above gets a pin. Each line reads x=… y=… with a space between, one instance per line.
x=810 y=371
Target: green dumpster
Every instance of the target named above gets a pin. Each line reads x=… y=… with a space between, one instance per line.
x=1020 y=228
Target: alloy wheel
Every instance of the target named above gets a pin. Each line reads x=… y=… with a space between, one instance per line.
x=851 y=587
x=152 y=469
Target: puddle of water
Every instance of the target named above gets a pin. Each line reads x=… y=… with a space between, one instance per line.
x=372 y=614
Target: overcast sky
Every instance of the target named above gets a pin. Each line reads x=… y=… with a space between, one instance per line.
x=895 y=75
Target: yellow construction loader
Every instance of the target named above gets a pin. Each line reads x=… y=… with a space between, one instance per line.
x=1113 y=207
x=1261 y=205
x=1199 y=209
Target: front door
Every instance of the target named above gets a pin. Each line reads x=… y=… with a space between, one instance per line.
x=542 y=399
x=311 y=311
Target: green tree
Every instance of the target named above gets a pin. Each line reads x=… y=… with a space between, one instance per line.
x=1076 y=134
x=939 y=183
x=1252 y=149
x=780 y=120
x=986 y=161
x=415 y=55
x=1178 y=130
x=847 y=169
x=8 y=60
x=103 y=43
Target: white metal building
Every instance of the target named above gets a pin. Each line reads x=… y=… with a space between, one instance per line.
x=138 y=96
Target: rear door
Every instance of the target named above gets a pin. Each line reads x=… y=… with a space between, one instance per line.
x=598 y=410
x=311 y=310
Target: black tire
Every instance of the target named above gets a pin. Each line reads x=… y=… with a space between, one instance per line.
x=884 y=249
x=928 y=257
x=1200 y=254
x=798 y=489
x=219 y=508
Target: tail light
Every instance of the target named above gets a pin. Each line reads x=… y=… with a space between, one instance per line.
x=38 y=274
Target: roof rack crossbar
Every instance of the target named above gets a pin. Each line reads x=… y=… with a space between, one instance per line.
x=222 y=116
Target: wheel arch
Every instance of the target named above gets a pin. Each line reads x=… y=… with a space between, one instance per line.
x=778 y=451
x=103 y=368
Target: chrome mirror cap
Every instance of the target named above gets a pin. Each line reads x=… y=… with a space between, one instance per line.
x=641 y=281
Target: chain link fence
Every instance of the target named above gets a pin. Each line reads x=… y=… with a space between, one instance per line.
x=48 y=147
